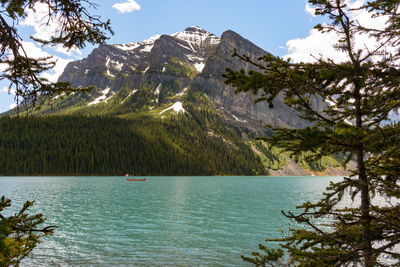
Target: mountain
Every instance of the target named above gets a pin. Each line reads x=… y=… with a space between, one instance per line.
x=178 y=77
x=170 y=64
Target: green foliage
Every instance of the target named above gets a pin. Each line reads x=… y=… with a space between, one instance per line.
x=309 y=161
x=18 y=233
x=363 y=91
x=140 y=145
x=271 y=257
x=130 y=98
x=271 y=156
x=124 y=101
x=178 y=68
x=169 y=89
x=275 y=158
x=76 y=27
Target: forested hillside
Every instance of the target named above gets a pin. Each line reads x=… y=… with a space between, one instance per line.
x=80 y=145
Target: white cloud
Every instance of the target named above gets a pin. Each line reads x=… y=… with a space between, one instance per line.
x=58 y=69
x=7 y=90
x=310 y=10
x=314 y=45
x=127 y=7
x=38 y=18
x=318 y=44
x=13 y=105
x=36 y=52
x=355 y=3
x=394 y=115
x=69 y=52
x=3 y=66
x=45 y=26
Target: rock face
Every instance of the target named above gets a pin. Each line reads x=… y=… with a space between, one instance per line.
x=241 y=106
x=167 y=64
x=109 y=63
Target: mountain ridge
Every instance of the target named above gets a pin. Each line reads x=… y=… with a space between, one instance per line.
x=205 y=57
x=181 y=74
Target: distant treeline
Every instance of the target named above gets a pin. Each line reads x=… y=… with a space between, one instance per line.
x=80 y=145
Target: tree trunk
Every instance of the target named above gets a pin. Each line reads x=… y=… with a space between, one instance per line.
x=366 y=244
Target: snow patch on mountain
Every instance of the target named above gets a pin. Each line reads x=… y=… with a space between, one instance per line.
x=110 y=74
x=116 y=65
x=199 y=66
x=193 y=39
x=197 y=61
x=102 y=98
x=188 y=48
x=145 y=46
x=183 y=91
x=239 y=120
x=127 y=47
x=130 y=94
x=195 y=35
x=111 y=65
x=106 y=91
x=177 y=107
x=157 y=91
x=107 y=61
x=194 y=58
x=191 y=47
x=60 y=95
x=97 y=100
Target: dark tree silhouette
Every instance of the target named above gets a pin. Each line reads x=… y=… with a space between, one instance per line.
x=75 y=27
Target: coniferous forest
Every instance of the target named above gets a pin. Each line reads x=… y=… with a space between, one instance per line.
x=80 y=145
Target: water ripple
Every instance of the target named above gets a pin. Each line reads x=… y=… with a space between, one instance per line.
x=165 y=221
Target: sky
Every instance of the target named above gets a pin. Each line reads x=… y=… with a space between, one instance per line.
x=283 y=28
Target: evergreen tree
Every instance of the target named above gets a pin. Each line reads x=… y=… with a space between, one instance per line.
x=362 y=92
x=19 y=234
x=75 y=26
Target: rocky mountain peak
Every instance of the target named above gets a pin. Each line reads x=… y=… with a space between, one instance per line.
x=145 y=46
x=196 y=29
x=231 y=34
x=197 y=36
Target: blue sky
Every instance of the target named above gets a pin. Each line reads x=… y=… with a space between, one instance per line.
x=269 y=24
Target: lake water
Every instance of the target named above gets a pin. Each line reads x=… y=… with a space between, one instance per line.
x=164 y=221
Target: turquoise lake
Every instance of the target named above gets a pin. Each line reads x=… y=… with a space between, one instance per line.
x=164 y=221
